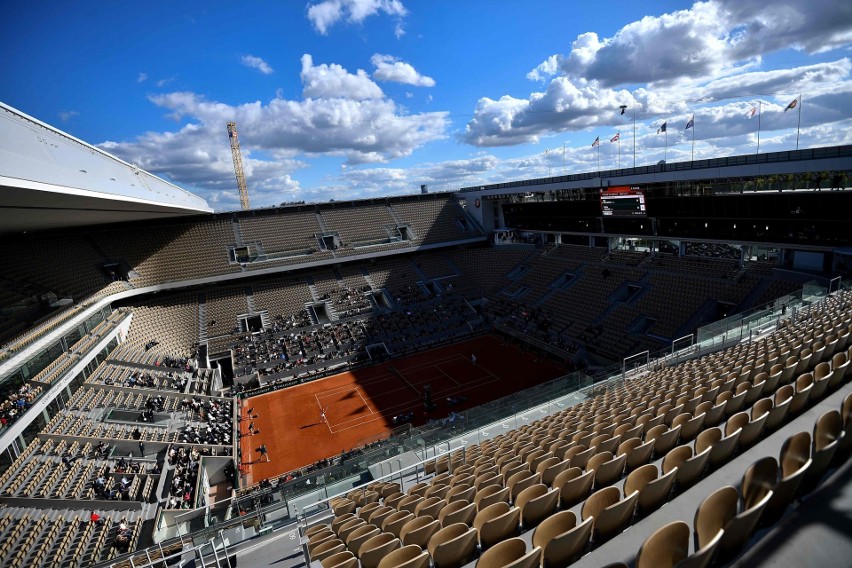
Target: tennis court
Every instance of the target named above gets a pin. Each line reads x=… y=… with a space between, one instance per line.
x=306 y=423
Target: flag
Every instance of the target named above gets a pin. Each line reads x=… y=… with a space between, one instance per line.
x=662 y=128
x=691 y=123
x=750 y=113
x=596 y=142
x=616 y=137
x=792 y=104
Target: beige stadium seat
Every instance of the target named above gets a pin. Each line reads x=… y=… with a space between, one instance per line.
x=457 y=512
x=430 y=507
x=666 y=547
x=758 y=480
x=359 y=536
x=562 y=541
x=552 y=467
x=638 y=453
x=326 y=549
x=495 y=523
x=795 y=458
x=653 y=489
x=452 y=546
x=490 y=495
x=689 y=468
x=573 y=485
x=337 y=558
x=419 y=530
x=845 y=446
x=536 y=503
x=394 y=522
x=316 y=529
x=378 y=516
x=511 y=553
x=376 y=548
x=665 y=438
x=405 y=557
x=611 y=513
x=828 y=433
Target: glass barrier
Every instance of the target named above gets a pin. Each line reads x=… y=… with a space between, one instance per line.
x=267 y=508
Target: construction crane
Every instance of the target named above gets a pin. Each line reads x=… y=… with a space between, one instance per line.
x=238 y=165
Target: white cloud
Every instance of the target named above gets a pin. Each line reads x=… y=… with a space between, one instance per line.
x=389 y=68
x=706 y=40
x=712 y=51
x=163 y=82
x=335 y=81
x=341 y=115
x=141 y=77
x=399 y=29
x=547 y=68
x=67 y=115
x=325 y=14
x=257 y=63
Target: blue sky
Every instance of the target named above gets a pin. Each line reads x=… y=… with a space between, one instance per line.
x=338 y=99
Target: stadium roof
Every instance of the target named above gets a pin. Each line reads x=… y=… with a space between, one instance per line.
x=49 y=179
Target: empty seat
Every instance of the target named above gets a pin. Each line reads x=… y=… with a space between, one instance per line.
x=511 y=553
x=338 y=558
x=828 y=431
x=536 y=503
x=562 y=541
x=574 y=485
x=452 y=546
x=495 y=523
x=611 y=513
x=689 y=468
x=666 y=546
x=418 y=531
x=405 y=557
x=795 y=459
x=653 y=490
x=490 y=495
x=376 y=548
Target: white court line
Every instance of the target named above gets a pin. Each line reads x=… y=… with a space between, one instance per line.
x=364 y=401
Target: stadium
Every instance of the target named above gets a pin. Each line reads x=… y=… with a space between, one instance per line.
x=572 y=370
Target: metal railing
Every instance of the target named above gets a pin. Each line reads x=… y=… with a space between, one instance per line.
x=249 y=515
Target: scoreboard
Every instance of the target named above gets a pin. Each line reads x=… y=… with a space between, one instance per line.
x=622 y=201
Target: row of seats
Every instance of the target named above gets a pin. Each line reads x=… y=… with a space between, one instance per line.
x=525 y=463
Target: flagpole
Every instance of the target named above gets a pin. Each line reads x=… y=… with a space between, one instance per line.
x=563 y=157
x=599 y=155
x=619 y=150
x=799 y=126
x=692 y=159
x=634 y=134
x=666 y=148
x=759 y=109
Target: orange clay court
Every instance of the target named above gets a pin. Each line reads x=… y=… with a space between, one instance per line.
x=360 y=405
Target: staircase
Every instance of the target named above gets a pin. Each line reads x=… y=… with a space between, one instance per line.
x=393 y=215
x=252 y=309
x=238 y=234
x=321 y=222
x=202 y=318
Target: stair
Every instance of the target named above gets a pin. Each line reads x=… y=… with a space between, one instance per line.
x=321 y=222
x=393 y=215
x=202 y=318
x=452 y=265
x=252 y=309
x=238 y=234
x=419 y=272
x=314 y=292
